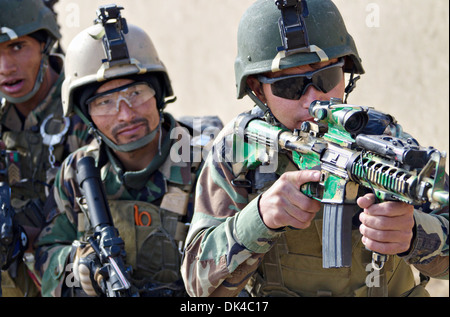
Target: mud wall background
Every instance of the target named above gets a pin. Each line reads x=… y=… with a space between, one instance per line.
x=404 y=45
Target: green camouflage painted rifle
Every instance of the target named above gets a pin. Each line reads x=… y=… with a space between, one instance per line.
x=349 y=160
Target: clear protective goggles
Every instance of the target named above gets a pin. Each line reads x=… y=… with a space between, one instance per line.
x=292 y=87
x=108 y=103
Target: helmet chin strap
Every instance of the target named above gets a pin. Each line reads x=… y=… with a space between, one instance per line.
x=37 y=84
x=268 y=115
x=135 y=145
x=351 y=84
x=132 y=146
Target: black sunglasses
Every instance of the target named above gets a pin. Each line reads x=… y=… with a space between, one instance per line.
x=294 y=86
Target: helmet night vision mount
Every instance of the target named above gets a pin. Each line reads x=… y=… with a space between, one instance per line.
x=113 y=40
x=294 y=35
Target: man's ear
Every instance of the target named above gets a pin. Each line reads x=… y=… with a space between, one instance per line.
x=256 y=86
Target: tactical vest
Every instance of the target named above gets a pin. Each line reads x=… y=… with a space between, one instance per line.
x=39 y=151
x=293 y=266
x=153 y=237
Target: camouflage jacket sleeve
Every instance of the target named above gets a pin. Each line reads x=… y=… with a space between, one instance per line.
x=227 y=238
x=429 y=251
x=55 y=241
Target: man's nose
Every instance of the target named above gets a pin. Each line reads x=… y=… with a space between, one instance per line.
x=124 y=109
x=311 y=94
x=7 y=66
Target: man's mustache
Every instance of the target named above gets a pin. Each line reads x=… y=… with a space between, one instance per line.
x=121 y=126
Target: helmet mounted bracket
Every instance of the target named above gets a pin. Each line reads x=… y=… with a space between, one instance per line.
x=293 y=32
x=115 y=27
x=294 y=35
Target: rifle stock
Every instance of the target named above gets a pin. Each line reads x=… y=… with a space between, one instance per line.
x=106 y=241
x=393 y=168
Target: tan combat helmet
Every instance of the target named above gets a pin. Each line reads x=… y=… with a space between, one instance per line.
x=110 y=49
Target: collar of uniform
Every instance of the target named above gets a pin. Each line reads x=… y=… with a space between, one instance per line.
x=177 y=172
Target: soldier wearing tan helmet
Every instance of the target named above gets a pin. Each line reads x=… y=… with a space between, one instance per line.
x=35 y=136
x=254 y=229
x=119 y=86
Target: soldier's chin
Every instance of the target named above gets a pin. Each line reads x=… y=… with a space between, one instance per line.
x=126 y=139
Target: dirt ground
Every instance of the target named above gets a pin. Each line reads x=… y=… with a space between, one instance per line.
x=404 y=45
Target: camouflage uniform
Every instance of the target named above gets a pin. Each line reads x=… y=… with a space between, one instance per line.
x=31 y=176
x=229 y=246
x=149 y=208
x=152 y=251
x=34 y=146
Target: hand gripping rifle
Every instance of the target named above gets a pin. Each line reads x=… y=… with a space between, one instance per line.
x=393 y=168
x=106 y=241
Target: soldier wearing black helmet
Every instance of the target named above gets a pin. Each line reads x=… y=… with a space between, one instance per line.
x=35 y=136
x=255 y=230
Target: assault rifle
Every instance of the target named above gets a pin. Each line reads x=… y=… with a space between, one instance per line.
x=106 y=242
x=13 y=240
x=349 y=160
x=6 y=226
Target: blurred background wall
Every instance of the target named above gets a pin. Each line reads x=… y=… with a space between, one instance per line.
x=404 y=45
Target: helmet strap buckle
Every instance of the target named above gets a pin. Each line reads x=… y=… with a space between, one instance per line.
x=351 y=84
